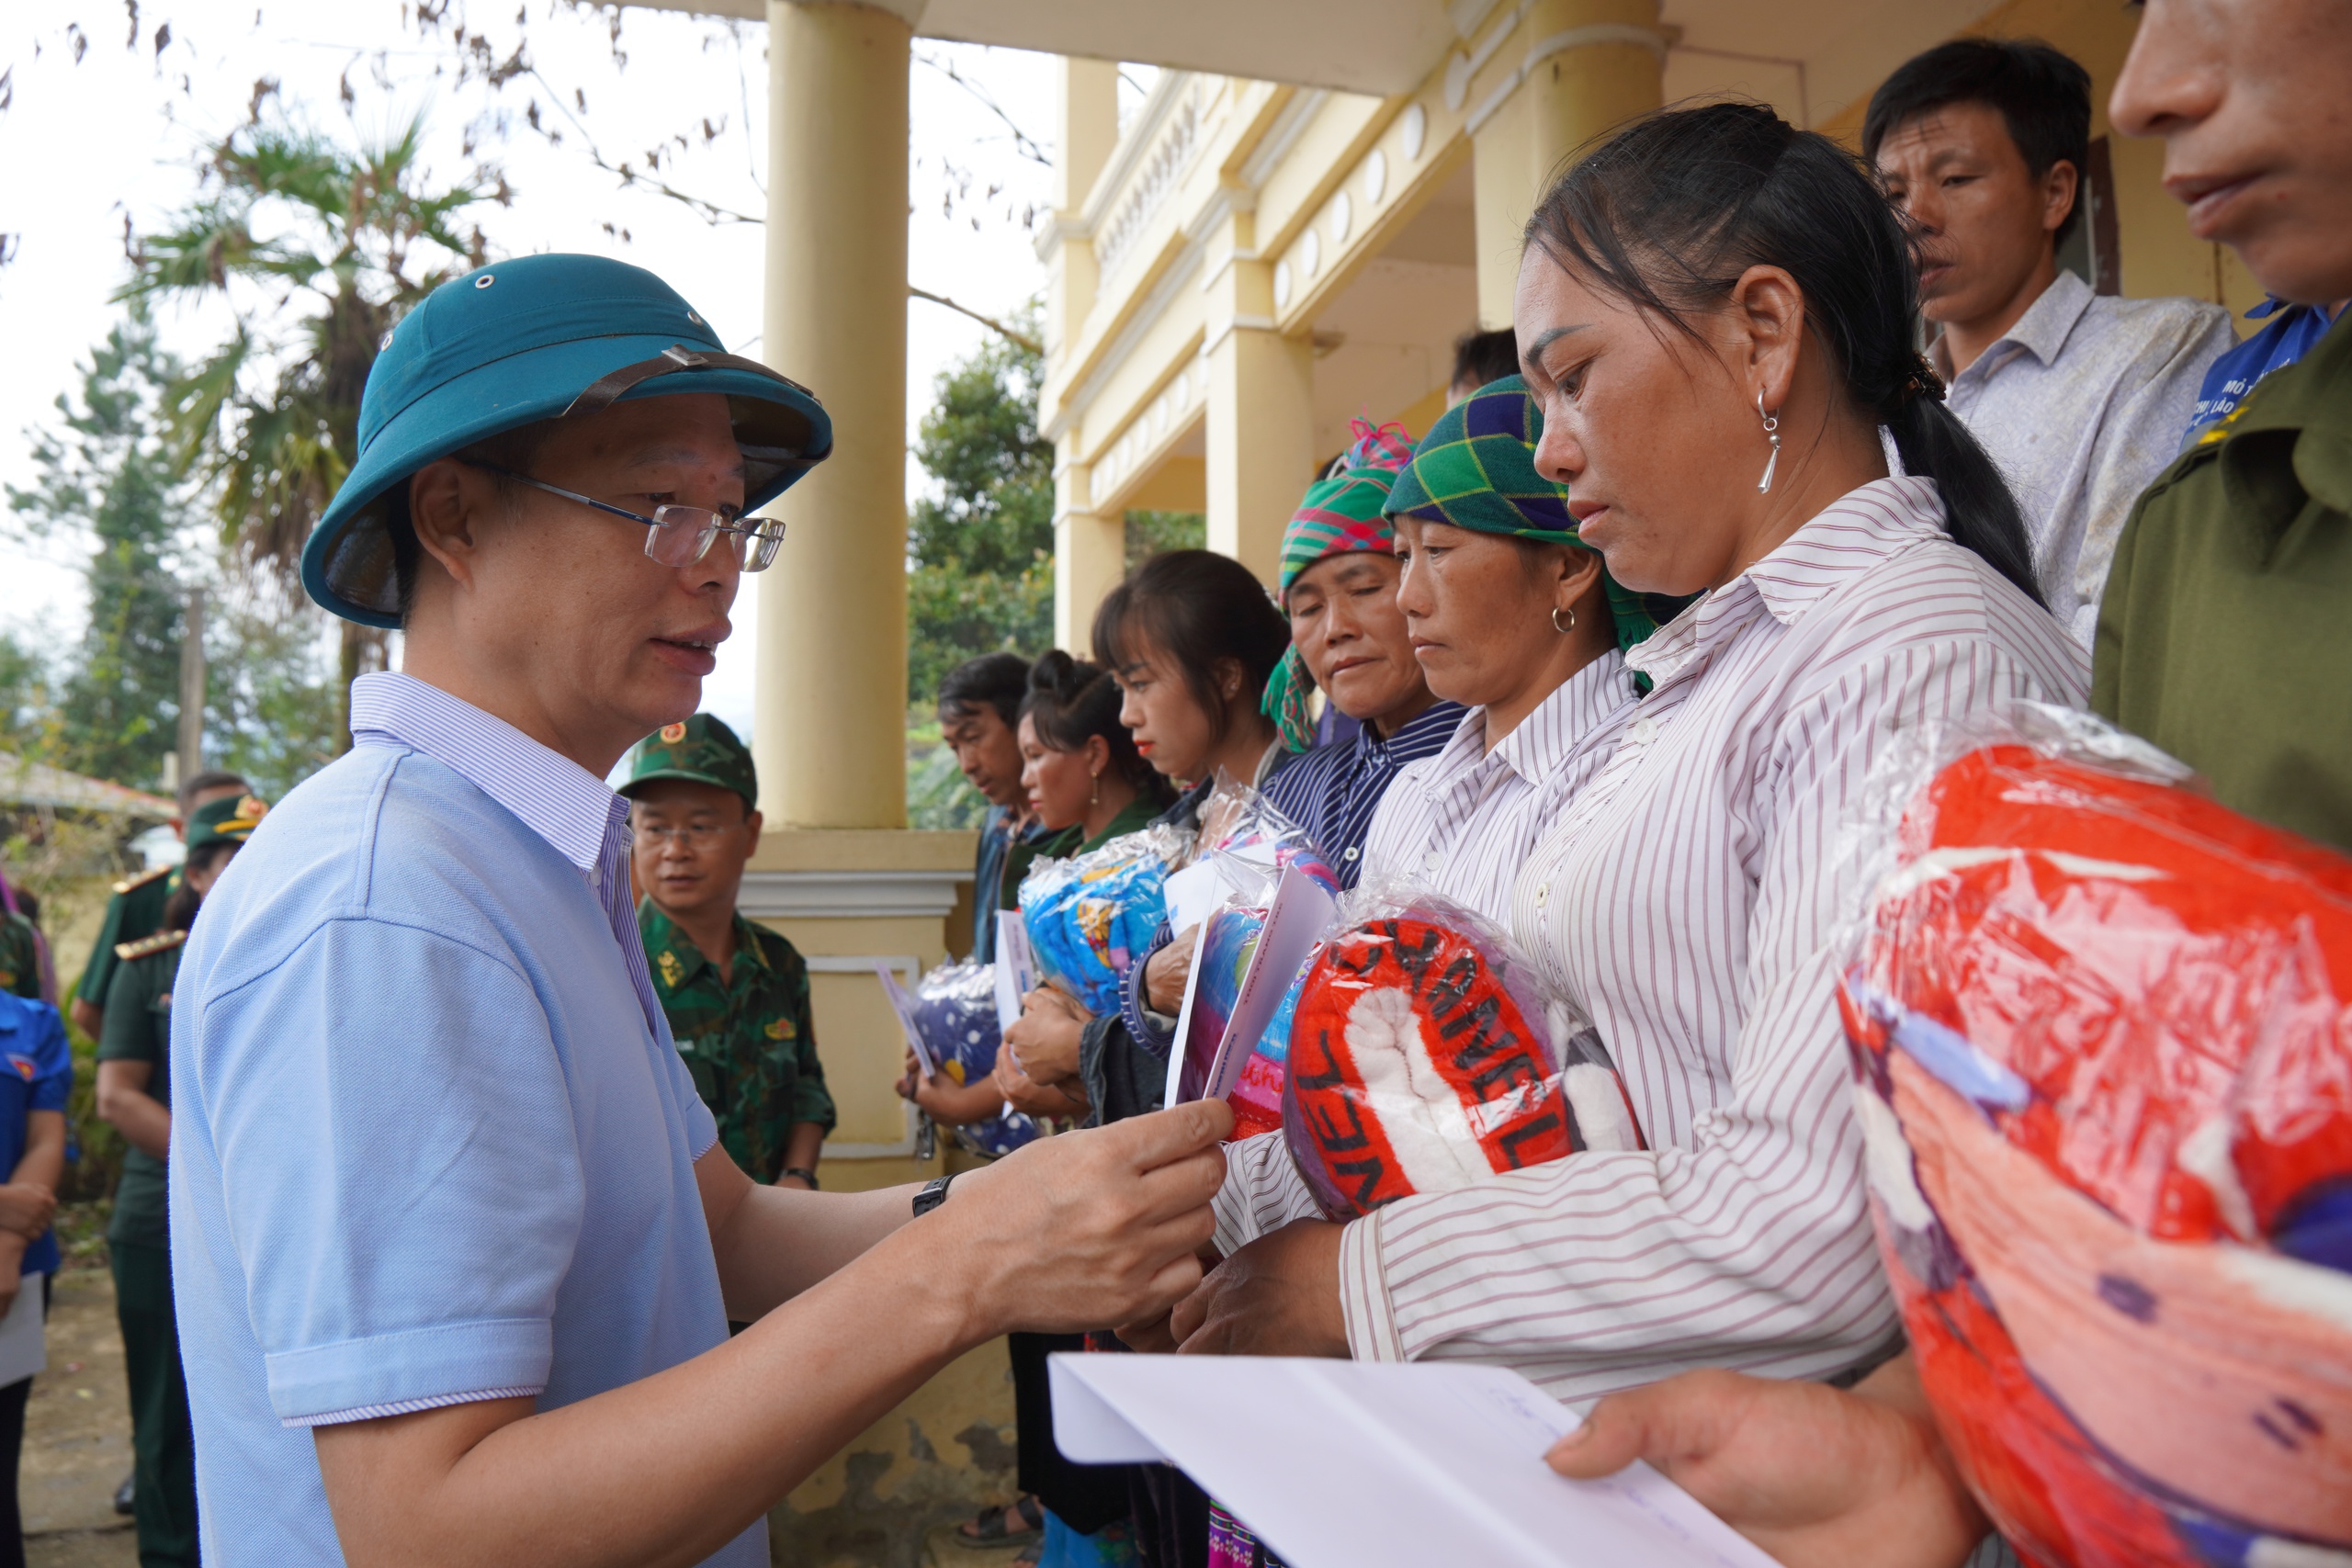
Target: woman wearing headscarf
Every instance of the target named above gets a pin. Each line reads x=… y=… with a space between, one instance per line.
x=1513 y=615
x=1717 y=314
x=1348 y=639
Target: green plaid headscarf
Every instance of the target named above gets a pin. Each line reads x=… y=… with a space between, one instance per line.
x=1475 y=469
x=1340 y=515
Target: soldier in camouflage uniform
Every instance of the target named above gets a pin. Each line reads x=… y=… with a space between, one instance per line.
x=136 y=910
x=736 y=993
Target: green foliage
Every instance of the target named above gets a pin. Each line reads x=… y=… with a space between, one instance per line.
x=272 y=677
x=106 y=472
x=1148 y=532
x=980 y=552
x=937 y=796
x=271 y=418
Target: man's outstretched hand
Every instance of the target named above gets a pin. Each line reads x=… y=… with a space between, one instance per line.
x=1818 y=1477
x=1098 y=1227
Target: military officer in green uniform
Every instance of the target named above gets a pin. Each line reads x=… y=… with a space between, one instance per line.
x=136 y=910
x=134 y=1093
x=736 y=993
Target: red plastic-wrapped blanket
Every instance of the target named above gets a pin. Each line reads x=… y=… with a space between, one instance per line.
x=2104 y=1034
x=1425 y=1056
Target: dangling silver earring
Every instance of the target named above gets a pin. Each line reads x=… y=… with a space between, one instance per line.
x=1771 y=429
x=1556 y=621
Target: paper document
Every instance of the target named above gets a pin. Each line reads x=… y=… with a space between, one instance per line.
x=1362 y=1464
x=1202 y=1068
x=24 y=1350
x=904 y=1006
x=1016 y=972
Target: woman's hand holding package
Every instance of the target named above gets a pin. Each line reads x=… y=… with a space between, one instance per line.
x=1099 y=1226
x=1045 y=1037
x=1818 y=1477
x=1026 y=1093
x=1164 y=972
x=1278 y=1296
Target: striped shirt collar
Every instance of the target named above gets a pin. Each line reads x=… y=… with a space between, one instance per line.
x=1417 y=737
x=1848 y=537
x=1544 y=737
x=553 y=795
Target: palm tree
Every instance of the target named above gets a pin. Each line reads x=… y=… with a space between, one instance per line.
x=319 y=249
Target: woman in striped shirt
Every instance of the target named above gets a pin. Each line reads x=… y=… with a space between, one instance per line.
x=1717 y=313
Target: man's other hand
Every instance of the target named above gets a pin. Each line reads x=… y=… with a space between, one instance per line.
x=1818 y=1477
x=1098 y=1227
x=1164 y=972
x=1278 y=1296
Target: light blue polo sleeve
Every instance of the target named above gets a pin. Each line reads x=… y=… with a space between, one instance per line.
x=399 y=1165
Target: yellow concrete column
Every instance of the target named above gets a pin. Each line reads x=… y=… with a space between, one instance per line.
x=1090 y=553
x=1087 y=123
x=830 y=734
x=1260 y=405
x=1582 y=68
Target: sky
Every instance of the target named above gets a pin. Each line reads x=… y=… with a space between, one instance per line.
x=123 y=135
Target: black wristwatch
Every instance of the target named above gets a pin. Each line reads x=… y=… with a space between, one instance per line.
x=933 y=1195
x=808 y=1176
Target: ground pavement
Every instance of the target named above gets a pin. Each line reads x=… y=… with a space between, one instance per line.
x=77 y=1434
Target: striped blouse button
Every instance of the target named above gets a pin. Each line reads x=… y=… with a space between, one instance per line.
x=1640 y=730
x=1431 y=861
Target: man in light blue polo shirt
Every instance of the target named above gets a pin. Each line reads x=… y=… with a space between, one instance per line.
x=453 y=1246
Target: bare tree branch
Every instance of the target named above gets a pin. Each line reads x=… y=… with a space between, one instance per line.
x=1023 y=143
x=1008 y=333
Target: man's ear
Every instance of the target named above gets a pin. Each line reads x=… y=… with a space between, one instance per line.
x=2058 y=188
x=752 y=832
x=447 y=501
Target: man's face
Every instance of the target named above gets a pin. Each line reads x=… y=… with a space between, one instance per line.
x=1346 y=625
x=2254 y=100
x=988 y=751
x=693 y=841
x=561 y=603
x=1983 y=223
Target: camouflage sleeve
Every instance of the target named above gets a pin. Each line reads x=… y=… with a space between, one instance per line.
x=812 y=1101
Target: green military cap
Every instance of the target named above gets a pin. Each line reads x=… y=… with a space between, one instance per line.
x=229 y=821
x=702 y=750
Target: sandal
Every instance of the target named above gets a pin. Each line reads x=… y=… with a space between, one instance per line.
x=1004 y=1524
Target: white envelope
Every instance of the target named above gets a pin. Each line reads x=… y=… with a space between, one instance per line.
x=1357 y=1465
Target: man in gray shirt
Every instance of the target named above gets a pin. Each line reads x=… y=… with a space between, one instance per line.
x=2080 y=398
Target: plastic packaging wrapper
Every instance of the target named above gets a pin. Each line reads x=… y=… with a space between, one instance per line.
x=1091 y=916
x=2103 y=1034
x=1247 y=861
x=954 y=1010
x=1237 y=819
x=1427 y=1054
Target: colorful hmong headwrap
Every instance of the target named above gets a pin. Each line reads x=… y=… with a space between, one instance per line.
x=1475 y=469
x=1341 y=513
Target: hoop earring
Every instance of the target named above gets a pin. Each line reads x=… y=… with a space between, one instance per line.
x=1556 y=621
x=1771 y=428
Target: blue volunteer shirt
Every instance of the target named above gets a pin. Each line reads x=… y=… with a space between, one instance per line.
x=40 y=1077
x=431 y=1141
x=2283 y=338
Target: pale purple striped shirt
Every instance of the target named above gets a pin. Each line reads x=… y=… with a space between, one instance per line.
x=1690 y=898
x=1462 y=823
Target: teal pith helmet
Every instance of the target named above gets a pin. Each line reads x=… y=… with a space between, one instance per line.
x=526 y=340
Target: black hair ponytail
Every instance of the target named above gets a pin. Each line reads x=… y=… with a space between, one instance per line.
x=1670 y=212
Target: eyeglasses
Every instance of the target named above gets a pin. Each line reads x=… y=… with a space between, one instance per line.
x=676 y=535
